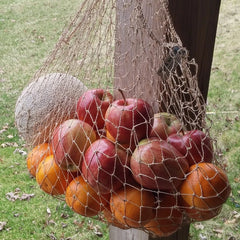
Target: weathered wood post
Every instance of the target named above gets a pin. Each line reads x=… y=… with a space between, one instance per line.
x=196 y=24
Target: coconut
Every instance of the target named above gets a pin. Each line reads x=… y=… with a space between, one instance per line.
x=44 y=104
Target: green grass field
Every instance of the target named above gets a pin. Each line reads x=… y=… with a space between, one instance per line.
x=28 y=32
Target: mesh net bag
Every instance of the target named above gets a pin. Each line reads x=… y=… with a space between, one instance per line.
x=116 y=122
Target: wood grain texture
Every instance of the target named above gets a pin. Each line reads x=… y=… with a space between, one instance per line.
x=136 y=54
x=130 y=234
x=135 y=234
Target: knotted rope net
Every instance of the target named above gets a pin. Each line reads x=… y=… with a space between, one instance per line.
x=116 y=122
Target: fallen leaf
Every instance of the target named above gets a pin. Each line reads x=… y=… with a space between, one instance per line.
x=199 y=226
x=79 y=224
x=13 y=196
x=3 y=130
x=9 y=144
x=65 y=216
x=90 y=225
x=3 y=145
x=218 y=231
x=2 y=225
x=230 y=222
x=10 y=136
x=26 y=196
x=52 y=236
x=64 y=225
x=51 y=222
x=20 y=151
x=228 y=119
x=202 y=237
x=237 y=180
x=48 y=211
x=41 y=37
x=97 y=231
x=237 y=216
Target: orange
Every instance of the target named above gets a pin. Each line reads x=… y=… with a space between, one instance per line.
x=36 y=155
x=112 y=220
x=132 y=206
x=124 y=146
x=51 y=178
x=204 y=191
x=168 y=217
x=83 y=199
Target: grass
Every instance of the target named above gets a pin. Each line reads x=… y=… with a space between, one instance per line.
x=25 y=42
x=28 y=31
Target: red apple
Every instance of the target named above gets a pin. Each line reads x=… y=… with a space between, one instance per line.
x=70 y=141
x=195 y=145
x=158 y=165
x=165 y=124
x=105 y=167
x=92 y=106
x=129 y=120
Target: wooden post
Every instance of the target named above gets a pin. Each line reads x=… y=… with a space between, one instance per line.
x=182 y=234
x=195 y=22
x=130 y=234
x=134 y=234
